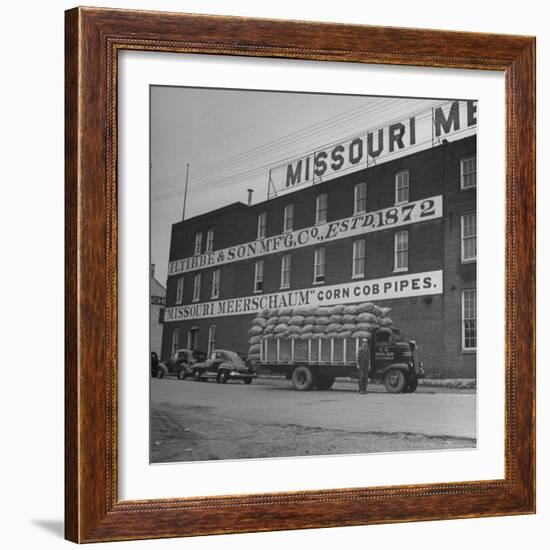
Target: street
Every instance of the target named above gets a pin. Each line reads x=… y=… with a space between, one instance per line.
x=209 y=421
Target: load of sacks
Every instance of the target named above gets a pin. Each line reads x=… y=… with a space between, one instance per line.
x=352 y=321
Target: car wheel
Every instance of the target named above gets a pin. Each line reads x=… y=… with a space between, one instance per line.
x=182 y=373
x=222 y=377
x=247 y=381
x=160 y=374
x=303 y=379
x=395 y=381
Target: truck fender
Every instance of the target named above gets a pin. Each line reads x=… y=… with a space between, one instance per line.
x=401 y=366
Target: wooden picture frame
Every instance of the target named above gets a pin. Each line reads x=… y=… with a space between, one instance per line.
x=93 y=511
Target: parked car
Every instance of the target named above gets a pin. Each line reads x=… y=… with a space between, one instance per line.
x=154 y=363
x=224 y=365
x=181 y=363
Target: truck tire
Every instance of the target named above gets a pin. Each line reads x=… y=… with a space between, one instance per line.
x=395 y=381
x=324 y=382
x=303 y=379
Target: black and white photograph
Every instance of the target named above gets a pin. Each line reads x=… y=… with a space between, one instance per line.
x=312 y=274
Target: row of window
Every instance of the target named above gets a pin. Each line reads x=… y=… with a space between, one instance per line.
x=401 y=261
x=469 y=327
x=468 y=179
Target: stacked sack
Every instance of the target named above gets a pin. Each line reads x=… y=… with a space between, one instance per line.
x=353 y=321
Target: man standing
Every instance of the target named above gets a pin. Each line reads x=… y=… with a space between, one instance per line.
x=363 y=365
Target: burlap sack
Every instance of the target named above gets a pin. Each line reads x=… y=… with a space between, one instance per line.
x=281 y=327
x=303 y=310
x=344 y=334
x=319 y=329
x=322 y=321
x=347 y=318
x=255 y=340
x=333 y=327
x=269 y=329
x=361 y=334
x=385 y=322
x=284 y=319
x=365 y=307
x=259 y=322
x=384 y=311
x=306 y=336
x=272 y=321
x=348 y=326
x=309 y=320
x=296 y=320
x=368 y=327
x=332 y=335
x=280 y=336
x=336 y=310
x=268 y=337
x=293 y=329
x=336 y=319
x=255 y=349
x=306 y=328
x=284 y=311
x=350 y=310
x=322 y=312
x=255 y=330
x=366 y=318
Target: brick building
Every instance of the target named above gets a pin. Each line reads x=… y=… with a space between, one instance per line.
x=401 y=233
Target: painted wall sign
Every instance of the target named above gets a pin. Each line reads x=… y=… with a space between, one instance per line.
x=401 y=286
x=449 y=120
x=395 y=216
x=158 y=300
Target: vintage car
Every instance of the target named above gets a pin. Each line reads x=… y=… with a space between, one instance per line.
x=181 y=363
x=224 y=365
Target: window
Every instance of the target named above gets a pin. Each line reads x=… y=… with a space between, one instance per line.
x=358 y=267
x=215 y=283
x=468 y=228
x=193 y=338
x=402 y=187
x=210 y=240
x=262 y=225
x=175 y=340
x=179 y=291
x=288 y=221
x=401 y=251
x=198 y=243
x=161 y=315
x=211 y=338
x=360 y=198
x=197 y=287
x=259 y=276
x=285 y=270
x=468 y=173
x=321 y=208
x=469 y=319
x=319 y=266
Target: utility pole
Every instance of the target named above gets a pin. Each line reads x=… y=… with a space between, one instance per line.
x=185 y=192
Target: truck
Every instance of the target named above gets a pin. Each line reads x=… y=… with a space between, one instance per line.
x=315 y=363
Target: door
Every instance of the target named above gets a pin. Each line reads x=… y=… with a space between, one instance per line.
x=383 y=350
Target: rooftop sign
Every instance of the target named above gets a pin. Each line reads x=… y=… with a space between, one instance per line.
x=450 y=120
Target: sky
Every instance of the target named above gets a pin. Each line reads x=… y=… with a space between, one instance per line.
x=231 y=139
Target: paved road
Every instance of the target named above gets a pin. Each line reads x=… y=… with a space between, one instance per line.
x=204 y=406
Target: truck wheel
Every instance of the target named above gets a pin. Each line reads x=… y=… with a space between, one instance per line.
x=411 y=388
x=325 y=382
x=302 y=378
x=395 y=381
x=222 y=377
